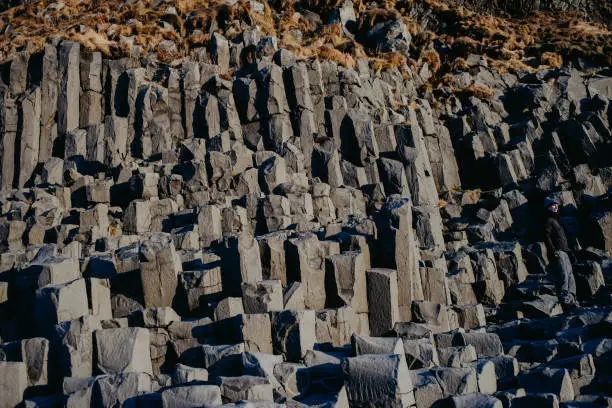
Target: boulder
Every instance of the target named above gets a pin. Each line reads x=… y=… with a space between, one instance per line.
x=13 y=383
x=191 y=396
x=293 y=333
x=548 y=380
x=246 y=387
x=123 y=350
x=159 y=269
x=262 y=296
x=475 y=400
x=381 y=380
x=382 y=300
x=346 y=281
x=59 y=303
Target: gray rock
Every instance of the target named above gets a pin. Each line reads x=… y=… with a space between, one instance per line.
x=18 y=76
x=536 y=400
x=29 y=137
x=261 y=365
x=306 y=259
x=228 y=307
x=389 y=36
x=59 y=303
x=382 y=380
x=589 y=279
x=505 y=366
x=475 y=400
x=263 y=296
x=223 y=360
x=294 y=378
x=246 y=387
x=159 y=269
x=548 y=380
x=293 y=333
x=35 y=354
x=241 y=263
x=220 y=52
x=13 y=382
x=123 y=350
x=68 y=98
x=396 y=249
x=346 y=274
x=377 y=345
x=438 y=317
x=335 y=326
x=456 y=356
x=73 y=347
x=153 y=134
x=121 y=388
x=599 y=227
x=273 y=255
x=412 y=151
x=183 y=374
x=485 y=344
x=382 y=300
x=49 y=86
x=191 y=396
x=137 y=217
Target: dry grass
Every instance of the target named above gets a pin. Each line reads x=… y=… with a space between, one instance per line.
x=94 y=41
x=479 y=91
x=511 y=65
x=460 y=64
x=372 y=16
x=432 y=58
x=388 y=61
x=329 y=53
x=443 y=33
x=551 y=59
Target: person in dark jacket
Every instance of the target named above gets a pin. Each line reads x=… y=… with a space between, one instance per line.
x=559 y=254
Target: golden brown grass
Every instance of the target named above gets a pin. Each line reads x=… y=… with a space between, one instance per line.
x=387 y=61
x=460 y=64
x=554 y=39
x=432 y=58
x=479 y=91
x=94 y=41
x=551 y=59
x=327 y=52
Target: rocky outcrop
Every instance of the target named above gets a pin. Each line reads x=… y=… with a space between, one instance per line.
x=298 y=232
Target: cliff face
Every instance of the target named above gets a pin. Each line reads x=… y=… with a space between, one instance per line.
x=260 y=205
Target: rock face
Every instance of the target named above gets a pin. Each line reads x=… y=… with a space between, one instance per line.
x=243 y=224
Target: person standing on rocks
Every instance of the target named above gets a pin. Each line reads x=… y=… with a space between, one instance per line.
x=559 y=254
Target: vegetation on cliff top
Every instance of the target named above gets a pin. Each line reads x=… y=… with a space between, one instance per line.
x=443 y=33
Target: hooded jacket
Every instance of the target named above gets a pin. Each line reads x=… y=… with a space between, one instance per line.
x=555 y=237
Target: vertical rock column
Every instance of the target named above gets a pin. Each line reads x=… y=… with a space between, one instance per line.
x=412 y=150
x=174 y=97
x=91 y=89
x=49 y=87
x=29 y=134
x=397 y=249
x=159 y=269
x=297 y=87
x=306 y=263
x=9 y=121
x=130 y=95
x=70 y=86
x=190 y=87
x=382 y=300
x=153 y=132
